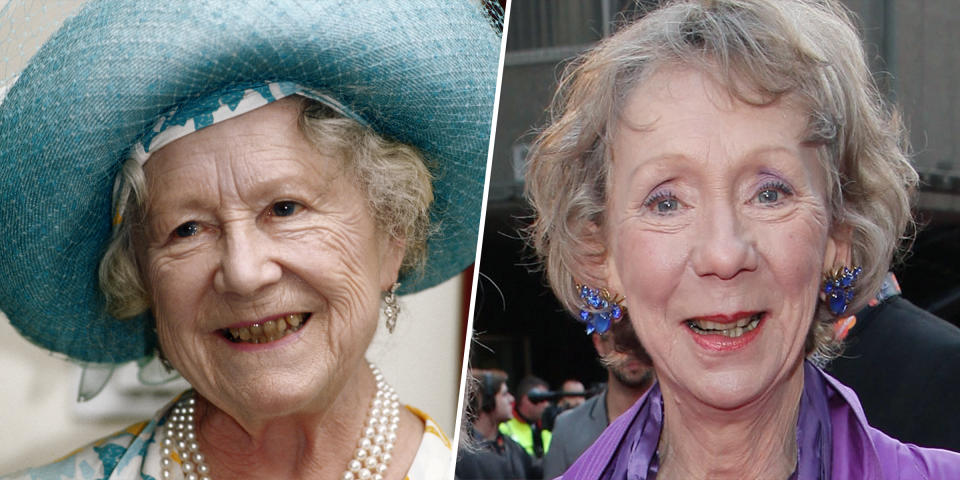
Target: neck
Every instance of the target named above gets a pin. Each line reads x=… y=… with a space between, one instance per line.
x=621 y=397
x=486 y=425
x=520 y=415
x=754 y=441
x=315 y=442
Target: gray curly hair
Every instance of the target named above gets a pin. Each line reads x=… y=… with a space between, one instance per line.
x=394 y=177
x=761 y=50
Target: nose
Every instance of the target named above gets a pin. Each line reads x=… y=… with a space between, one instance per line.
x=725 y=247
x=248 y=262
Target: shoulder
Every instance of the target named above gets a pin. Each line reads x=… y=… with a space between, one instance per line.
x=900 y=320
x=903 y=362
x=639 y=427
x=581 y=413
x=904 y=460
x=100 y=459
x=576 y=429
x=434 y=456
x=860 y=448
x=513 y=427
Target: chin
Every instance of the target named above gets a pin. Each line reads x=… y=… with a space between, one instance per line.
x=734 y=387
x=729 y=390
x=274 y=393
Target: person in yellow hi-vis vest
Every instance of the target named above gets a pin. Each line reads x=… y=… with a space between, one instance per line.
x=525 y=427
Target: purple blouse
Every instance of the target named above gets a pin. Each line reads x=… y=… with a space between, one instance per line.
x=833 y=438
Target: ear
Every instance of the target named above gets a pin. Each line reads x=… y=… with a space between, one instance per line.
x=839 y=251
x=392 y=251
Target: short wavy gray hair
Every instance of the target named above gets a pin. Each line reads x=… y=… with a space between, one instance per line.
x=761 y=50
x=394 y=177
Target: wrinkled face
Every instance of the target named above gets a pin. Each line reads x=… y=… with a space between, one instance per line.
x=504 y=404
x=264 y=266
x=717 y=234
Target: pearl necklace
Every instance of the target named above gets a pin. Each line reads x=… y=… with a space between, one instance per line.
x=370 y=460
x=180 y=440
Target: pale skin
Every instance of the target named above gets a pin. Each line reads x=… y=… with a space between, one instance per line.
x=717 y=209
x=245 y=221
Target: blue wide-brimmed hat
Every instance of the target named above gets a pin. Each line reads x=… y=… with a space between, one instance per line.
x=422 y=72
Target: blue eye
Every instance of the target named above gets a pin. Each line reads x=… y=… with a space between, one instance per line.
x=667 y=205
x=188 y=229
x=662 y=203
x=770 y=193
x=284 y=208
x=768 y=196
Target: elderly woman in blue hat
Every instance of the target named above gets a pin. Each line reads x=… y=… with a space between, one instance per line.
x=239 y=191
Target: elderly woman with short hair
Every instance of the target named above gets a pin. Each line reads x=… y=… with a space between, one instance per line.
x=251 y=194
x=724 y=175
x=392 y=176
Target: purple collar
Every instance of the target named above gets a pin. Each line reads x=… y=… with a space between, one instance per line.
x=833 y=438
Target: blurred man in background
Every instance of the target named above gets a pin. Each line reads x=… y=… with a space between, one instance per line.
x=629 y=375
x=571 y=401
x=488 y=454
x=525 y=426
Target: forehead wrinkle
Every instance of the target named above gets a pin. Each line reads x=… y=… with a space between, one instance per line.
x=683 y=147
x=166 y=188
x=291 y=163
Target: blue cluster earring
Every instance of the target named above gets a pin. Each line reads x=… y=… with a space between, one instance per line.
x=838 y=287
x=599 y=308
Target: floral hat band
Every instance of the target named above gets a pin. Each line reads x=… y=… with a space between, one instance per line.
x=223 y=105
x=202 y=112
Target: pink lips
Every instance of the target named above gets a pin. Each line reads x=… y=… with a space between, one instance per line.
x=722 y=343
x=722 y=318
x=262 y=335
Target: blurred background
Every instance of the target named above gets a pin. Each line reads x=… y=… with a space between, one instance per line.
x=913 y=48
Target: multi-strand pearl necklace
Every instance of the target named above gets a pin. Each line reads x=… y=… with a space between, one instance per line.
x=180 y=440
x=375 y=449
x=370 y=460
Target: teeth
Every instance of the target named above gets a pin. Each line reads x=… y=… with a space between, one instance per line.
x=731 y=330
x=267 y=331
x=269 y=328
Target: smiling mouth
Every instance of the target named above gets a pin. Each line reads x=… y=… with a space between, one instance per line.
x=728 y=329
x=268 y=331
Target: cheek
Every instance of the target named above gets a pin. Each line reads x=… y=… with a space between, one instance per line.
x=795 y=250
x=647 y=267
x=174 y=285
x=176 y=288
x=343 y=263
